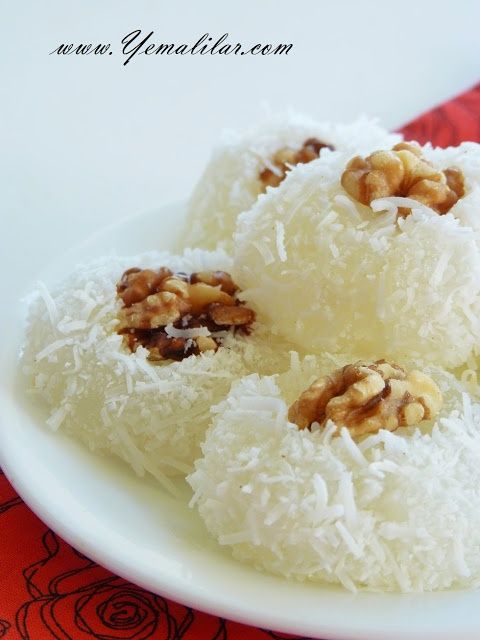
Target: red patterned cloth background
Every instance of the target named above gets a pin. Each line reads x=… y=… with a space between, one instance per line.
x=50 y=591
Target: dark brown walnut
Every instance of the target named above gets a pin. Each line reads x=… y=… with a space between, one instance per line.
x=286 y=158
x=404 y=172
x=153 y=300
x=160 y=346
x=368 y=397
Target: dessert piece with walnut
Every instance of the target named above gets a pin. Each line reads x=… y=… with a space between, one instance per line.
x=176 y=315
x=326 y=272
x=404 y=172
x=368 y=512
x=368 y=397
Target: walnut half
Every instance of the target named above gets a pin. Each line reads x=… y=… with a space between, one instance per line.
x=403 y=171
x=368 y=397
x=286 y=158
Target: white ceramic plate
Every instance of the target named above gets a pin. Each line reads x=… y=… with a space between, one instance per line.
x=130 y=526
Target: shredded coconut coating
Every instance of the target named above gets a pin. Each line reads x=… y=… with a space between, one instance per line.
x=391 y=512
x=332 y=274
x=230 y=183
x=115 y=401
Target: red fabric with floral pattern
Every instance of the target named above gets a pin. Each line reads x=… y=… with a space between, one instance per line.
x=49 y=591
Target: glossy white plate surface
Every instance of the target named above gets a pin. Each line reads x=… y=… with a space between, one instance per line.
x=132 y=527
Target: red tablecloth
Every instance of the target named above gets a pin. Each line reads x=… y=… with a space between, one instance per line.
x=49 y=591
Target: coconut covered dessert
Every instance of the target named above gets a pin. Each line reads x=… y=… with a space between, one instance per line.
x=357 y=464
x=378 y=253
x=130 y=354
x=365 y=475
x=245 y=166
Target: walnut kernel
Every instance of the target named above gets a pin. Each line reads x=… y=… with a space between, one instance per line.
x=227 y=315
x=286 y=158
x=201 y=295
x=156 y=310
x=402 y=172
x=215 y=279
x=206 y=343
x=368 y=397
x=136 y=284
